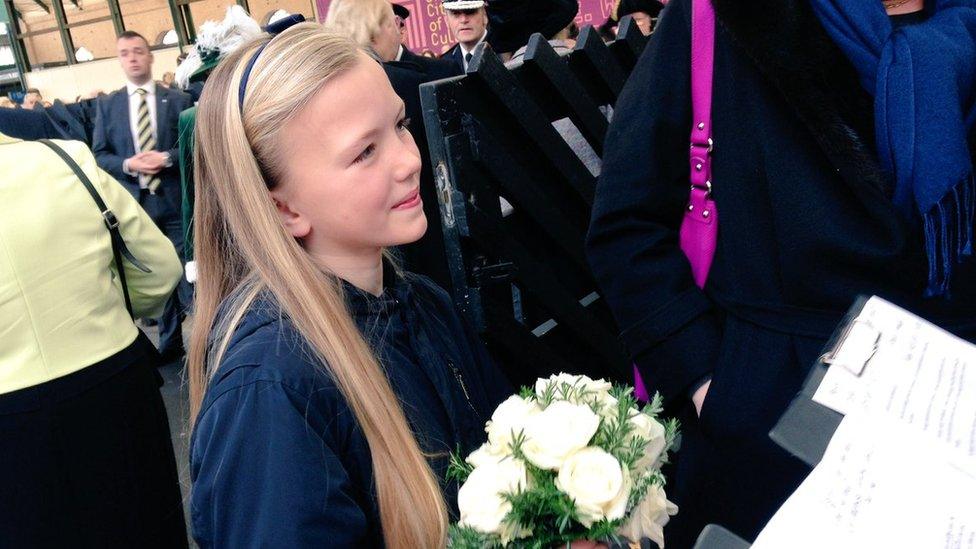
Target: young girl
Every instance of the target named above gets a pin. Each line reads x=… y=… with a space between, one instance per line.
x=327 y=388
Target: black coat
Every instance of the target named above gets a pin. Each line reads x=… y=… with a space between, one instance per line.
x=433 y=69
x=277 y=457
x=806 y=225
x=426 y=256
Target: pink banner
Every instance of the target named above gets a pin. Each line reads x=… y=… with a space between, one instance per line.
x=427 y=29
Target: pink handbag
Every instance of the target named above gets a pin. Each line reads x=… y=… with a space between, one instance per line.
x=699 y=228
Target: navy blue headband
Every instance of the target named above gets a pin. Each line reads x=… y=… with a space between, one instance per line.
x=274 y=29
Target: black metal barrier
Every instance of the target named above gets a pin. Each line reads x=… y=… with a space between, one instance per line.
x=515 y=153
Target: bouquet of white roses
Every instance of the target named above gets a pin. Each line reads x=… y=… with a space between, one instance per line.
x=572 y=458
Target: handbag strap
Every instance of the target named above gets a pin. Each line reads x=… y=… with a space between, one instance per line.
x=119 y=249
x=702 y=65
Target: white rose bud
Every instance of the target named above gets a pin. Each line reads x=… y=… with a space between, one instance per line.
x=582 y=382
x=598 y=484
x=509 y=418
x=652 y=431
x=480 y=501
x=486 y=453
x=558 y=431
x=648 y=518
x=607 y=405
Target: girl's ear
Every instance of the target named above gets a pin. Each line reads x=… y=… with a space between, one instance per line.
x=295 y=223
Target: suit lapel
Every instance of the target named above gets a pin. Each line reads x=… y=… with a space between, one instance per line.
x=122 y=107
x=162 y=115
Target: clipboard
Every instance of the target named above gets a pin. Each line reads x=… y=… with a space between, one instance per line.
x=806 y=427
x=717 y=537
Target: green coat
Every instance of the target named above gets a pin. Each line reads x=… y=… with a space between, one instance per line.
x=185 y=143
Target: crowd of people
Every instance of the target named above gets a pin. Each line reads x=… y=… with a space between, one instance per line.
x=329 y=385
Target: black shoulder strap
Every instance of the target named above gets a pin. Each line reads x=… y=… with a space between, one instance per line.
x=119 y=249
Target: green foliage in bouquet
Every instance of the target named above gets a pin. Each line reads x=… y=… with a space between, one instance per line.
x=540 y=514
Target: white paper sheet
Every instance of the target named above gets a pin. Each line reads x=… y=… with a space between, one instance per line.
x=900 y=471
x=918 y=374
x=878 y=485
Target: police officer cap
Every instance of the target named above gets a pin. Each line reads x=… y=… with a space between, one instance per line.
x=463 y=5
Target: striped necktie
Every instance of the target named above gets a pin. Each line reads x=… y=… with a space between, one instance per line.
x=147 y=141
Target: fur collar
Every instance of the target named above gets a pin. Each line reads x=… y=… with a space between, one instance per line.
x=791 y=48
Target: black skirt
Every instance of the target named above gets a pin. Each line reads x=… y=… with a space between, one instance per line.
x=86 y=460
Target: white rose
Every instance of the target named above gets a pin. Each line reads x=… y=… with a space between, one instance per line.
x=606 y=405
x=648 y=517
x=558 y=431
x=652 y=431
x=486 y=453
x=509 y=419
x=598 y=484
x=581 y=381
x=480 y=501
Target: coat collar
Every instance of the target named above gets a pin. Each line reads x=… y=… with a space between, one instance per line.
x=364 y=306
x=150 y=87
x=793 y=51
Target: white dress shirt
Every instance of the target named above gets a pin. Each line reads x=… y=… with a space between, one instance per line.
x=465 y=51
x=399 y=53
x=134 y=100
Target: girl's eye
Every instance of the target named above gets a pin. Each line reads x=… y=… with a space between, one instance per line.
x=368 y=152
x=403 y=124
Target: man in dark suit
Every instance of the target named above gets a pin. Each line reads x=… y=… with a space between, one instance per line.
x=432 y=69
x=468 y=20
x=135 y=140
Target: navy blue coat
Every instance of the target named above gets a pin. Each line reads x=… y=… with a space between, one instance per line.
x=454 y=56
x=112 y=139
x=806 y=224
x=29 y=125
x=277 y=457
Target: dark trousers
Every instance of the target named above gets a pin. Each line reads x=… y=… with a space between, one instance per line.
x=167 y=218
x=86 y=460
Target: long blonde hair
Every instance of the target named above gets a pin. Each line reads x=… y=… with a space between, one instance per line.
x=243 y=250
x=360 y=19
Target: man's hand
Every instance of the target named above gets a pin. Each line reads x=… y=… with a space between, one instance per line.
x=149 y=162
x=156 y=159
x=699 y=397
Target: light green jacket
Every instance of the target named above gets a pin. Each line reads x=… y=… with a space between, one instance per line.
x=61 y=304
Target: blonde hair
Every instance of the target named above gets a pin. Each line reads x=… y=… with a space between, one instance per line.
x=362 y=20
x=242 y=250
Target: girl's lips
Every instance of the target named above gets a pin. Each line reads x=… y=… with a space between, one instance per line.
x=413 y=199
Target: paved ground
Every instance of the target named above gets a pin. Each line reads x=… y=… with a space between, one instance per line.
x=176 y=397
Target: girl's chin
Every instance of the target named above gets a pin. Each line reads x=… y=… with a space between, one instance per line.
x=409 y=233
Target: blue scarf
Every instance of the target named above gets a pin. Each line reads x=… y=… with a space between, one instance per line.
x=923 y=78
